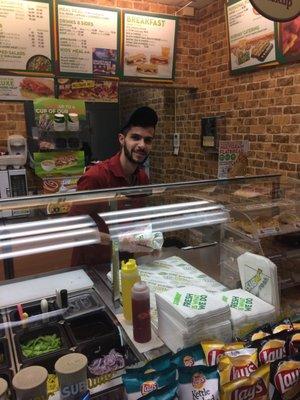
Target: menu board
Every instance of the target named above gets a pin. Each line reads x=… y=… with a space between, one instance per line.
x=25 y=88
x=251 y=36
x=25 y=37
x=95 y=90
x=87 y=40
x=149 y=45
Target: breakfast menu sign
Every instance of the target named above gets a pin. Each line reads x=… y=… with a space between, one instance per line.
x=88 y=40
x=149 y=43
x=25 y=36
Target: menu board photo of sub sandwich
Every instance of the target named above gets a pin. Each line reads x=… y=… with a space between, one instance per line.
x=88 y=39
x=25 y=88
x=93 y=90
x=25 y=36
x=149 y=45
x=251 y=36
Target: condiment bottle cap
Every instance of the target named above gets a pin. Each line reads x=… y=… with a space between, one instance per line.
x=129 y=266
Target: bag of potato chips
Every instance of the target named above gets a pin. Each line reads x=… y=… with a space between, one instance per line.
x=285 y=379
x=237 y=364
x=255 y=387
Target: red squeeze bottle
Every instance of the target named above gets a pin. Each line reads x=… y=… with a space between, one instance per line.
x=141 y=320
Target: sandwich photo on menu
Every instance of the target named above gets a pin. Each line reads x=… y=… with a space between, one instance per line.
x=136 y=59
x=32 y=88
x=147 y=69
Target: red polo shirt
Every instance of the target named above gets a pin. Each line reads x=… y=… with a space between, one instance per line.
x=106 y=174
x=110 y=174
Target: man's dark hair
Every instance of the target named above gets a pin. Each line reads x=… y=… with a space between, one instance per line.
x=144 y=117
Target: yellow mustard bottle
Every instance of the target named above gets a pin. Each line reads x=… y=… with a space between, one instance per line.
x=129 y=276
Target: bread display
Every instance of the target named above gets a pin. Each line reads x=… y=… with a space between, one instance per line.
x=257 y=224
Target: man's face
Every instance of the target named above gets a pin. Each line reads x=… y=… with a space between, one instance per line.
x=137 y=143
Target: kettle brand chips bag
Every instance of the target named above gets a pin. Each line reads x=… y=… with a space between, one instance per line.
x=198 y=383
x=214 y=349
x=189 y=357
x=166 y=393
x=237 y=364
x=255 y=387
x=285 y=379
x=140 y=384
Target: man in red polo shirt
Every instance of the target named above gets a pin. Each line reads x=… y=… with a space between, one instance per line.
x=123 y=169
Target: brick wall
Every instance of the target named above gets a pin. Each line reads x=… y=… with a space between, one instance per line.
x=262 y=106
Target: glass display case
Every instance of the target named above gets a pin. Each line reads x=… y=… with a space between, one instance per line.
x=60 y=290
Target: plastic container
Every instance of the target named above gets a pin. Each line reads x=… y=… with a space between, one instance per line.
x=4 y=354
x=8 y=376
x=141 y=312
x=32 y=310
x=24 y=336
x=92 y=326
x=82 y=304
x=129 y=276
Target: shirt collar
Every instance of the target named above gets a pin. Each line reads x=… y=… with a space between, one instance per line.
x=116 y=167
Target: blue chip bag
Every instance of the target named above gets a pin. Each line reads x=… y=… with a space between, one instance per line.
x=198 y=382
x=157 y=364
x=137 y=385
x=189 y=357
x=166 y=393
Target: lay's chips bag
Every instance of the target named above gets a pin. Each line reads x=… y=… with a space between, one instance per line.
x=254 y=387
x=198 y=382
x=140 y=384
x=157 y=364
x=189 y=357
x=237 y=364
x=166 y=393
x=214 y=349
x=285 y=379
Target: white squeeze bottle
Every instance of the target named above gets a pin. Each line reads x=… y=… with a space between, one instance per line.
x=129 y=276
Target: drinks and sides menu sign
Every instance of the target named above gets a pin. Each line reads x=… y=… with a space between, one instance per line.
x=95 y=90
x=46 y=110
x=88 y=40
x=25 y=36
x=25 y=88
x=233 y=159
x=149 y=45
x=251 y=36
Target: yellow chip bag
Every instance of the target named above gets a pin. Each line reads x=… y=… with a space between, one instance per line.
x=237 y=364
x=255 y=387
x=214 y=349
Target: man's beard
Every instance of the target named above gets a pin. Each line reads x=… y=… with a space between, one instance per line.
x=129 y=157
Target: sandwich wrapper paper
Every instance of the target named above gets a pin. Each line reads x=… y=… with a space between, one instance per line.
x=194 y=314
x=246 y=308
x=172 y=272
x=259 y=277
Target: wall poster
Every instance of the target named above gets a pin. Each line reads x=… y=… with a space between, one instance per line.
x=251 y=36
x=25 y=88
x=149 y=45
x=233 y=160
x=25 y=36
x=95 y=90
x=88 y=40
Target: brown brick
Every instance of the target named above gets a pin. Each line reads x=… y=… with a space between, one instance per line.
x=294 y=158
x=287 y=166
